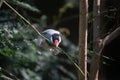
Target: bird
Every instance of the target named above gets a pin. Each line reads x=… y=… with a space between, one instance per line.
x=54 y=38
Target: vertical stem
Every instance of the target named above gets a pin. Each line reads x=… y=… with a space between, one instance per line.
x=96 y=22
x=94 y=67
x=83 y=38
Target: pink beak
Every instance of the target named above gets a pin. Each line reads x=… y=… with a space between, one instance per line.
x=56 y=42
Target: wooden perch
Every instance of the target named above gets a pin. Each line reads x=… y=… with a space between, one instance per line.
x=7 y=75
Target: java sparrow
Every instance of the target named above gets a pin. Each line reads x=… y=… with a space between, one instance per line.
x=53 y=36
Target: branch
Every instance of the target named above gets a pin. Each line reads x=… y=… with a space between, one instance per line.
x=111 y=36
x=108 y=39
x=7 y=74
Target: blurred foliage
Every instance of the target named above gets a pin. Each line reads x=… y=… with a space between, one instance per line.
x=19 y=54
x=23 y=5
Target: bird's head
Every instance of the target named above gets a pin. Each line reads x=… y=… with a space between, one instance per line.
x=53 y=35
x=56 y=39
